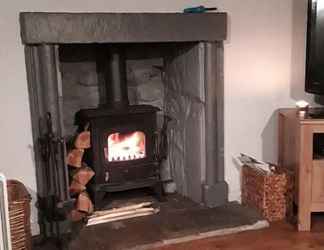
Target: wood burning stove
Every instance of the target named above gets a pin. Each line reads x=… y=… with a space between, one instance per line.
x=123 y=151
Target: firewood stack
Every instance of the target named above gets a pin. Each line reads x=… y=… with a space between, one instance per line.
x=80 y=175
x=270 y=193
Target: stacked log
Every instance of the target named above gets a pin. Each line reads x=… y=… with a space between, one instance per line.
x=82 y=140
x=270 y=193
x=76 y=188
x=80 y=175
x=80 y=179
x=83 y=175
x=74 y=158
x=84 y=203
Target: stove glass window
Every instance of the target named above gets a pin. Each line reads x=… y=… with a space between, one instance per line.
x=125 y=146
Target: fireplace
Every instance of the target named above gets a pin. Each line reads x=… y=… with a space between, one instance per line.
x=125 y=150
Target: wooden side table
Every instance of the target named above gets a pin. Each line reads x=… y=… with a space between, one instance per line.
x=296 y=152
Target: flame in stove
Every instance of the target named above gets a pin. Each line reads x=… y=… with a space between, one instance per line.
x=125 y=147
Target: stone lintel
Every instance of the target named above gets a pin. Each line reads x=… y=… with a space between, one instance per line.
x=63 y=28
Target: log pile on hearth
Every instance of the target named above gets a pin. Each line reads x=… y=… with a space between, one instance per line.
x=80 y=175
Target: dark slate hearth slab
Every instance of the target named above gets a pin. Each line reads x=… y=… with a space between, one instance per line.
x=60 y=28
x=174 y=221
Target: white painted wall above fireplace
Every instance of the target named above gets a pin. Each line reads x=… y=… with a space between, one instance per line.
x=264 y=70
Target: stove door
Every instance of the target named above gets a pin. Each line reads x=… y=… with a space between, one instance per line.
x=126 y=146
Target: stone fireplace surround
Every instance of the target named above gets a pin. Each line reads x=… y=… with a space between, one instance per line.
x=193 y=87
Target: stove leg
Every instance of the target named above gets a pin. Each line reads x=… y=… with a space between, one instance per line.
x=99 y=199
x=159 y=191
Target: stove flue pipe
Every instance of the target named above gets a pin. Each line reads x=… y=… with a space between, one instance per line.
x=115 y=78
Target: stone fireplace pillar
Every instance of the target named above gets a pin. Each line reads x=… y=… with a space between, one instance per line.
x=215 y=189
x=45 y=95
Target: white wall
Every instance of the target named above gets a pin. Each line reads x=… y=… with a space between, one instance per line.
x=264 y=65
x=264 y=71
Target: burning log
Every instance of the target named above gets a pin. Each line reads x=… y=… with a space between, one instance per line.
x=74 y=158
x=84 y=203
x=82 y=140
x=83 y=175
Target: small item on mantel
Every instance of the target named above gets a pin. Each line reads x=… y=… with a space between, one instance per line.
x=84 y=203
x=74 y=158
x=76 y=187
x=198 y=9
x=82 y=140
x=83 y=175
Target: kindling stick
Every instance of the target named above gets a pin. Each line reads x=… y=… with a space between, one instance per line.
x=122 y=217
x=122 y=213
x=115 y=210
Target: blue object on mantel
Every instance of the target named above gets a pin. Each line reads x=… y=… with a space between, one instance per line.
x=198 y=9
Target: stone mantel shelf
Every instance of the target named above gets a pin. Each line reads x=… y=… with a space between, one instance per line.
x=63 y=28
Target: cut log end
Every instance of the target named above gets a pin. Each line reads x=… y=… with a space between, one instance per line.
x=76 y=215
x=84 y=203
x=76 y=188
x=83 y=175
x=74 y=158
x=82 y=140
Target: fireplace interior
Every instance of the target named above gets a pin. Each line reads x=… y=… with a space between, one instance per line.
x=126 y=95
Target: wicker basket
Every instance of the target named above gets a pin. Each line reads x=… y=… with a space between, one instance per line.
x=271 y=194
x=19 y=215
